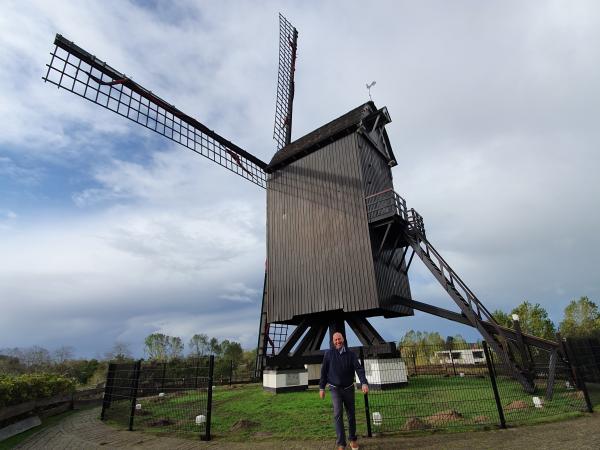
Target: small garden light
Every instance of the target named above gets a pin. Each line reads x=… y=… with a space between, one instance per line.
x=200 y=419
x=377 y=419
x=537 y=402
x=138 y=406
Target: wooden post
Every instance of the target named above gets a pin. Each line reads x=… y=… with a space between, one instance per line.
x=551 y=373
x=580 y=382
x=525 y=361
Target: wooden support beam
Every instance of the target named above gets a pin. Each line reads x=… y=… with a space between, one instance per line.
x=551 y=374
x=534 y=341
x=365 y=332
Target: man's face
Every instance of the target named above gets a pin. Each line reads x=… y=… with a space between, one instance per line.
x=338 y=340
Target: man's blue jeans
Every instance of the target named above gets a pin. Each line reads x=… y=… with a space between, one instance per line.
x=345 y=397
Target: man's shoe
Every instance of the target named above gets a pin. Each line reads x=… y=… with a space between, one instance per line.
x=354 y=445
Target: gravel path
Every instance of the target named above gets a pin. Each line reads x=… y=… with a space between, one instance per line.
x=85 y=431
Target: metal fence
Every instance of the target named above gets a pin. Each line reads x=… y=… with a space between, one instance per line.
x=228 y=372
x=463 y=386
x=171 y=398
x=586 y=355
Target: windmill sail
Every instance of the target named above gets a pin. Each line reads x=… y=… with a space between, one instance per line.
x=288 y=42
x=81 y=73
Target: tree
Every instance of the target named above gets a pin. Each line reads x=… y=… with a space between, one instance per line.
x=232 y=351
x=35 y=357
x=199 y=345
x=162 y=347
x=157 y=346
x=214 y=346
x=534 y=320
x=119 y=352
x=63 y=354
x=502 y=318
x=581 y=319
x=174 y=347
x=422 y=342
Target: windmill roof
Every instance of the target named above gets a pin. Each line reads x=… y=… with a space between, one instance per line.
x=313 y=141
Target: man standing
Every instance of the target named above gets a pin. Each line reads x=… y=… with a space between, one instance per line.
x=337 y=370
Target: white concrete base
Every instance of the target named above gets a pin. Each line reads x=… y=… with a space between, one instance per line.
x=288 y=380
x=314 y=373
x=385 y=373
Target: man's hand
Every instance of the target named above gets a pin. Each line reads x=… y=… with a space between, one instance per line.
x=322 y=393
x=365 y=388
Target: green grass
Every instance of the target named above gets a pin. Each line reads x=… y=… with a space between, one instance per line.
x=279 y=417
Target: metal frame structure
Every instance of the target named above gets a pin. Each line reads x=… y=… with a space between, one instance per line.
x=77 y=71
x=288 y=45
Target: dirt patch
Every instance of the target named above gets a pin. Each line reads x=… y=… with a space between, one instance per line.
x=414 y=423
x=481 y=419
x=160 y=423
x=444 y=417
x=516 y=405
x=142 y=412
x=243 y=425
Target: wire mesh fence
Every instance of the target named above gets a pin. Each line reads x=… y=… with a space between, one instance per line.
x=119 y=393
x=457 y=386
x=586 y=355
x=172 y=398
x=433 y=387
x=228 y=372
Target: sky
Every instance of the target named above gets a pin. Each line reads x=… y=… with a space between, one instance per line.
x=109 y=232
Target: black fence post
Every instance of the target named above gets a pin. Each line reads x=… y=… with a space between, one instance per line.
x=488 y=360
x=578 y=378
x=110 y=380
x=133 y=391
x=366 y=397
x=211 y=368
x=164 y=374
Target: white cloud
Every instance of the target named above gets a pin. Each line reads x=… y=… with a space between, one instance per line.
x=494 y=109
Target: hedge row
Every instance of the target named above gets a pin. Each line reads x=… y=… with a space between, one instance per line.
x=15 y=389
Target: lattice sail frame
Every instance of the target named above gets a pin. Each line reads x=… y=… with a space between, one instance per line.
x=81 y=73
x=288 y=44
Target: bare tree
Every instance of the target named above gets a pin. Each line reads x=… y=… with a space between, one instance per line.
x=63 y=354
x=35 y=357
x=120 y=351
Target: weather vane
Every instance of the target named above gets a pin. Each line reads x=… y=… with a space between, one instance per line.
x=369 y=86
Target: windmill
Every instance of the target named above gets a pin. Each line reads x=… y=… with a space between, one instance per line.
x=338 y=235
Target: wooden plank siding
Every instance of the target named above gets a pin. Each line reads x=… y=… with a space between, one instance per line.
x=318 y=247
x=377 y=177
x=319 y=252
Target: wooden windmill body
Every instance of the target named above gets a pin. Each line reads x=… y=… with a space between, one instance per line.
x=338 y=236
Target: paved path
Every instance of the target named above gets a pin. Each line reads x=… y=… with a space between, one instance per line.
x=84 y=430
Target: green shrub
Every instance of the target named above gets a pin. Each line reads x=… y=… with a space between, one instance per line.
x=15 y=389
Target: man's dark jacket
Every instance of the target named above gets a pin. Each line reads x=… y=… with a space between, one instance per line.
x=338 y=369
